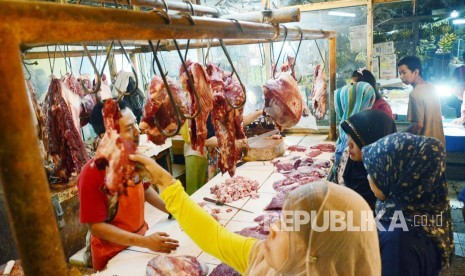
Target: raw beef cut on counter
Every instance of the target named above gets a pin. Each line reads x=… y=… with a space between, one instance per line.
x=277 y=201
x=113 y=151
x=65 y=144
x=297 y=148
x=159 y=106
x=283 y=102
x=235 y=188
x=227 y=121
x=326 y=147
x=198 y=126
x=164 y=265
x=319 y=92
x=224 y=270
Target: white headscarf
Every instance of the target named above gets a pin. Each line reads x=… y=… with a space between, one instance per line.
x=326 y=252
x=121 y=82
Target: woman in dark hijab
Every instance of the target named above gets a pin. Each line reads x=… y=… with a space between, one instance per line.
x=407 y=174
x=363 y=128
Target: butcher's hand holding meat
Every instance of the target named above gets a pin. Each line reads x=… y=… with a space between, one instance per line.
x=208 y=234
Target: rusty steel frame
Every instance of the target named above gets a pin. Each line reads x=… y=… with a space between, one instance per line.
x=22 y=175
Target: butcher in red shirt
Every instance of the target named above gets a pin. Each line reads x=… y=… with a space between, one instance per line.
x=115 y=228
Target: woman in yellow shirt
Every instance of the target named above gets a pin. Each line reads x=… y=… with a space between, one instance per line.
x=292 y=247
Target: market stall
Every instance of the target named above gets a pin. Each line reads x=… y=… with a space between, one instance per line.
x=28 y=25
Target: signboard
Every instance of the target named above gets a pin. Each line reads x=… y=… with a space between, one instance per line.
x=384 y=48
x=387 y=66
x=358 y=38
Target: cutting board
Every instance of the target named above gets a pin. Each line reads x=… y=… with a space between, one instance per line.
x=263 y=148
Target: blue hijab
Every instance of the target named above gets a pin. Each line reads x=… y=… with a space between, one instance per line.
x=410 y=171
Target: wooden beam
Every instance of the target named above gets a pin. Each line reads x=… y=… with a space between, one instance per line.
x=330 y=5
x=332 y=87
x=389 y=1
x=25 y=185
x=33 y=22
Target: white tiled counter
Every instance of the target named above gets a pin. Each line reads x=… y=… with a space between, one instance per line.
x=133 y=260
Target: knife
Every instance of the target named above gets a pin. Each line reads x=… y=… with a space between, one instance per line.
x=219 y=203
x=251 y=140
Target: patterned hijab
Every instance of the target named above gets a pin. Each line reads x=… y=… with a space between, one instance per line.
x=348 y=101
x=410 y=171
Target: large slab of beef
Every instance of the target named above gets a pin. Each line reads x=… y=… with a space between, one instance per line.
x=227 y=121
x=113 y=152
x=65 y=144
x=159 y=106
x=235 y=188
x=198 y=126
x=283 y=102
x=72 y=93
x=319 y=92
x=164 y=265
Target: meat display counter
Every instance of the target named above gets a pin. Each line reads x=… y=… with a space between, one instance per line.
x=133 y=260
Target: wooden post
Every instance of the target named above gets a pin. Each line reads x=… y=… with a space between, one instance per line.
x=369 y=34
x=22 y=173
x=332 y=86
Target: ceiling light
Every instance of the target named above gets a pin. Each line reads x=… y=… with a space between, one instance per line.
x=454 y=14
x=458 y=21
x=345 y=14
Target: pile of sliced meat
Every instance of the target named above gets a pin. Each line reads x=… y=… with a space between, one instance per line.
x=164 y=265
x=235 y=188
x=297 y=170
x=65 y=144
x=227 y=121
x=319 y=92
x=198 y=126
x=283 y=101
x=113 y=152
x=159 y=108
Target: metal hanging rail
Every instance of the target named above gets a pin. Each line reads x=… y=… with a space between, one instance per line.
x=291 y=14
x=27 y=22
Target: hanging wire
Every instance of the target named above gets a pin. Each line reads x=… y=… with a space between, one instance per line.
x=99 y=78
x=280 y=51
x=223 y=46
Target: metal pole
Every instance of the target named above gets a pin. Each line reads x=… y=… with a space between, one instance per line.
x=21 y=171
x=332 y=86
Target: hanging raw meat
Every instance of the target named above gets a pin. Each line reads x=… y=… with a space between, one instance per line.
x=159 y=106
x=65 y=144
x=72 y=92
x=227 y=121
x=287 y=66
x=283 y=102
x=113 y=152
x=319 y=92
x=163 y=265
x=198 y=126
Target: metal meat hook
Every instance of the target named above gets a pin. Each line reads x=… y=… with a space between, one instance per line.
x=168 y=90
